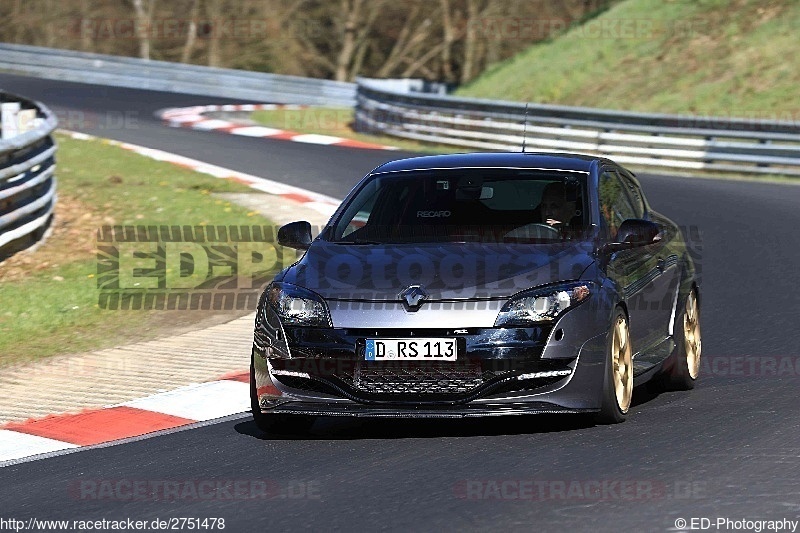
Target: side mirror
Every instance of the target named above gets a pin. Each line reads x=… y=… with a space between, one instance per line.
x=634 y=233
x=638 y=232
x=295 y=235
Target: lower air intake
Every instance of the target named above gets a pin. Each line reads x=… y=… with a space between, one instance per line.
x=417 y=379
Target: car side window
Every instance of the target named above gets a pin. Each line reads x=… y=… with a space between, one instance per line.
x=615 y=206
x=635 y=195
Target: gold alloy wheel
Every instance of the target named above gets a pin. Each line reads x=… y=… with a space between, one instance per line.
x=623 y=369
x=691 y=335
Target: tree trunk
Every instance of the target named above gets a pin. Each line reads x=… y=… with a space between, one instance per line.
x=351 y=9
x=17 y=22
x=470 y=41
x=358 y=61
x=400 y=46
x=87 y=43
x=448 y=39
x=51 y=11
x=144 y=17
x=191 y=33
x=214 y=12
x=420 y=62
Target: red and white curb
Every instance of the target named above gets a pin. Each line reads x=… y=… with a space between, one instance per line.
x=318 y=202
x=201 y=402
x=192 y=404
x=194 y=118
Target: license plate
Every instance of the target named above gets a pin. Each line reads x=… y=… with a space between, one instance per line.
x=411 y=350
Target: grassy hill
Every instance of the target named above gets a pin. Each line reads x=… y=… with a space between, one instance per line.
x=709 y=57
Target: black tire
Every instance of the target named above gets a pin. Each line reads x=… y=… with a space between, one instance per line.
x=276 y=424
x=677 y=375
x=610 y=410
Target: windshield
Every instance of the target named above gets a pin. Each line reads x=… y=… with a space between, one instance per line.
x=458 y=205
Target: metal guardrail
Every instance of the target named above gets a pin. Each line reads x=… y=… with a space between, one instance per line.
x=27 y=183
x=68 y=65
x=637 y=139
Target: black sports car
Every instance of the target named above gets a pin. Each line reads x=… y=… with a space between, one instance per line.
x=475 y=285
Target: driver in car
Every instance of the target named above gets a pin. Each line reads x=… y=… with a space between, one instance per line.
x=555 y=209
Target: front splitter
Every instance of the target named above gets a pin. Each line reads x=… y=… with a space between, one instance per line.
x=405 y=411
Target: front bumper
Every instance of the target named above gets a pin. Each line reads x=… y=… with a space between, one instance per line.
x=500 y=371
x=577 y=392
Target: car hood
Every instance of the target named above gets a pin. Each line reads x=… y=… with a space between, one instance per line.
x=447 y=272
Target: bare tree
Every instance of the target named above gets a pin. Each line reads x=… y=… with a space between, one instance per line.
x=412 y=37
x=449 y=36
x=471 y=40
x=357 y=20
x=144 y=19
x=352 y=13
x=87 y=42
x=450 y=40
x=191 y=32
x=213 y=32
x=17 y=15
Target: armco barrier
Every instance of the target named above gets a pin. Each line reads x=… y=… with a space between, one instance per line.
x=690 y=143
x=638 y=139
x=68 y=65
x=27 y=183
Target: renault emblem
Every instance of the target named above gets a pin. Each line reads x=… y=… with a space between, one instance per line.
x=413 y=297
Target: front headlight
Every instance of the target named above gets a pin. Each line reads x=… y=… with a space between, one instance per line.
x=296 y=306
x=543 y=304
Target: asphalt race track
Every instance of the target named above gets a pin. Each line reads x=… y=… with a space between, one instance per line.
x=730 y=448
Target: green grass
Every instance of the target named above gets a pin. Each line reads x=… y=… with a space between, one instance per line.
x=42 y=316
x=734 y=58
x=51 y=308
x=338 y=122
x=134 y=189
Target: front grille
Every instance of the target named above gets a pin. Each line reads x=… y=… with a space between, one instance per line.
x=416 y=382
x=417 y=379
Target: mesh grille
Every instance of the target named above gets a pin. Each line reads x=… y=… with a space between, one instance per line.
x=417 y=379
x=394 y=381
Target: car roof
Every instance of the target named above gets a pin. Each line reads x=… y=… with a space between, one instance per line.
x=535 y=160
